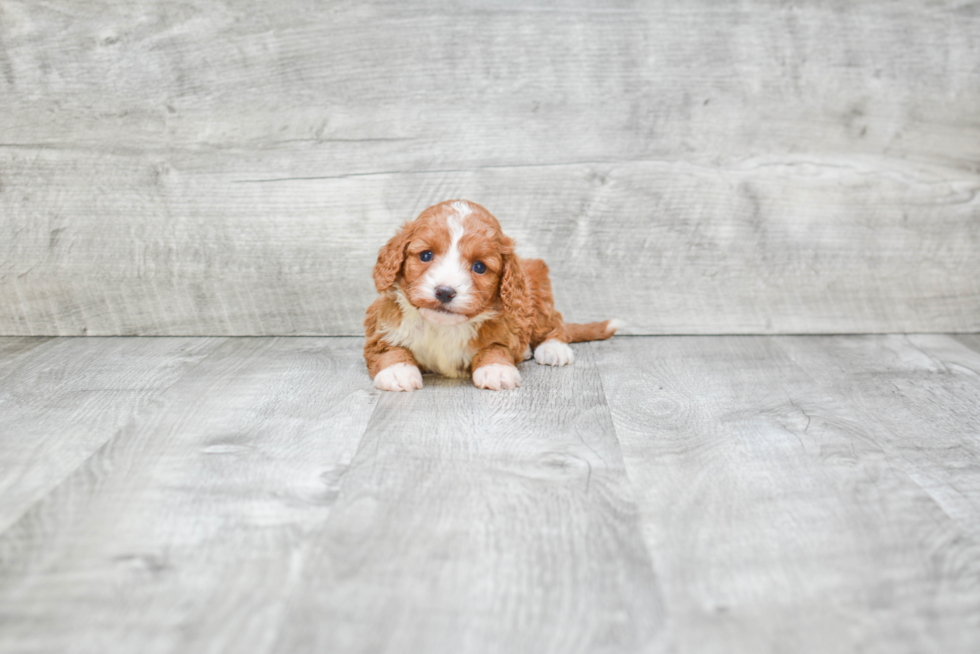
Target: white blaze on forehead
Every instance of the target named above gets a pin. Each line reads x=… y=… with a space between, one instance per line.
x=450 y=269
x=455 y=232
x=462 y=208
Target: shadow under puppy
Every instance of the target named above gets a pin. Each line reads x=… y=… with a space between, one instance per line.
x=455 y=299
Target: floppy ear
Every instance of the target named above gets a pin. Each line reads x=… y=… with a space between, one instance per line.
x=513 y=290
x=391 y=257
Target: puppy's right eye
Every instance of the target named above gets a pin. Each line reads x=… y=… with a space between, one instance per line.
x=426 y=256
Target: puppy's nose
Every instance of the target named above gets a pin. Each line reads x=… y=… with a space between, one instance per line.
x=445 y=294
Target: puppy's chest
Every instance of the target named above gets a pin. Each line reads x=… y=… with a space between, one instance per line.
x=439 y=348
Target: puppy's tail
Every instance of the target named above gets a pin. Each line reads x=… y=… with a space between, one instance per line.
x=593 y=331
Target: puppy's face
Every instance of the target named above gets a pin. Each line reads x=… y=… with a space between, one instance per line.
x=452 y=257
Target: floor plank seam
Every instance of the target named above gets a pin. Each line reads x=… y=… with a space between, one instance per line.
x=109 y=440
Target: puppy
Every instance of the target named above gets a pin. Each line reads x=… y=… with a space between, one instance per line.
x=455 y=299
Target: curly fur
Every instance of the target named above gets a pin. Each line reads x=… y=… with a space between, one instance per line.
x=391 y=256
x=516 y=297
x=502 y=312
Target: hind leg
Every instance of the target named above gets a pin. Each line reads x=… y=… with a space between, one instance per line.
x=553 y=352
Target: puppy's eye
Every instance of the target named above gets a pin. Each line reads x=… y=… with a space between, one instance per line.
x=426 y=256
x=479 y=267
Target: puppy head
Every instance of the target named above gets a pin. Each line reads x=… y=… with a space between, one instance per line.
x=453 y=263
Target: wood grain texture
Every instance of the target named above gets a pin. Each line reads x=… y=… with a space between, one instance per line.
x=226 y=168
x=804 y=494
x=184 y=532
x=919 y=396
x=475 y=521
x=14 y=348
x=62 y=399
x=971 y=341
x=685 y=494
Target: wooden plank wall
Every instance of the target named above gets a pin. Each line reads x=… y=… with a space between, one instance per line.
x=220 y=168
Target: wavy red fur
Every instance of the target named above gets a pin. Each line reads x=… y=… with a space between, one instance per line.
x=498 y=314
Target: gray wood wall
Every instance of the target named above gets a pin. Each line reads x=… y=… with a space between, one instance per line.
x=211 y=167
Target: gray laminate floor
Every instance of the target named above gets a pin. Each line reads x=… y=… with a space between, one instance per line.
x=686 y=494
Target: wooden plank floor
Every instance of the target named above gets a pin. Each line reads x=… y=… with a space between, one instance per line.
x=680 y=494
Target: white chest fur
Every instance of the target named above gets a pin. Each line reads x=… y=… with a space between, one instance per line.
x=444 y=349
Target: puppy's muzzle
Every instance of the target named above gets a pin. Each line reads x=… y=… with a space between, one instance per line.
x=445 y=294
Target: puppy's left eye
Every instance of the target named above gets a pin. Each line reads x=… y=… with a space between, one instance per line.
x=479 y=267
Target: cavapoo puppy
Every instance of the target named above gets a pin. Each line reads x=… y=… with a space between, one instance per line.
x=455 y=299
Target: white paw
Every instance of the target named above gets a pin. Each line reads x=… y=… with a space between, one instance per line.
x=496 y=377
x=399 y=377
x=554 y=353
x=527 y=354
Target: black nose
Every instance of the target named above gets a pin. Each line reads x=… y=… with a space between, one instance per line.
x=445 y=294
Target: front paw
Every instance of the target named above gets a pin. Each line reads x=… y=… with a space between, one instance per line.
x=399 y=377
x=496 y=377
x=554 y=353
